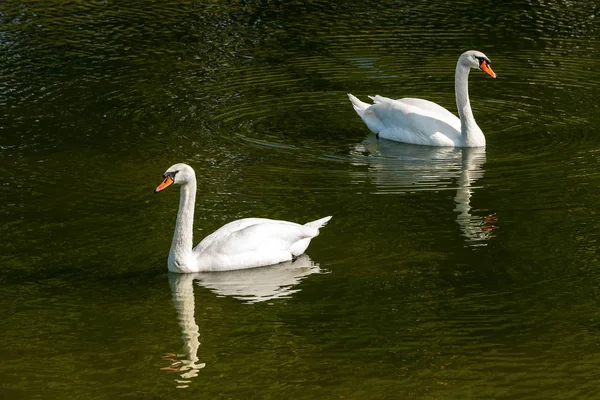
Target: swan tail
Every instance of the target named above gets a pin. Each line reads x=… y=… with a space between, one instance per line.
x=359 y=106
x=378 y=99
x=313 y=231
x=318 y=223
x=366 y=113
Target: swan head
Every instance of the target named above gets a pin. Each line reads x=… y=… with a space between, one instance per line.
x=180 y=174
x=477 y=60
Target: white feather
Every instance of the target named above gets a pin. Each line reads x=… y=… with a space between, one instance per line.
x=245 y=243
x=423 y=122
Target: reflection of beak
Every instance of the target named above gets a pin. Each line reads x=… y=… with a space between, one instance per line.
x=167 y=182
x=485 y=67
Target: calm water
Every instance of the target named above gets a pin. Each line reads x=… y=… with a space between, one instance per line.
x=444 y=274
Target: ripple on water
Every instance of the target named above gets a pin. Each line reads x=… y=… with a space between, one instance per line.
x=99 y=98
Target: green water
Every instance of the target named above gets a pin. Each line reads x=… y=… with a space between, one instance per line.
x=444 y=273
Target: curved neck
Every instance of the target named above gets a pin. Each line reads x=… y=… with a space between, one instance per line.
x=472 y=134
x=181 y=246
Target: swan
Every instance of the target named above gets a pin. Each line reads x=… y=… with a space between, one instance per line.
x=423 y=122
x=245 y=243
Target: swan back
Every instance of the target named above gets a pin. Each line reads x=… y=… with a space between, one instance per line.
x=411 y=120
x=253 y=242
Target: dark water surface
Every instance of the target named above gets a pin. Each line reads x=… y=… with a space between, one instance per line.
x=444 y=274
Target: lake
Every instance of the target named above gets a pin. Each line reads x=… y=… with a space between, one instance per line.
x=444 y=273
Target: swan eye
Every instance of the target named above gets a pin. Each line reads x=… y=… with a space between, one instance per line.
x=482 y=61
x=170 y=174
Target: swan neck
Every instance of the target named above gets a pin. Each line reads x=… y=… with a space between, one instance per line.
x=181 y=246
x=472 y=134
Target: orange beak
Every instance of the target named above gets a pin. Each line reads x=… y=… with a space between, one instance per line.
x=485 y=67
x=167 y=182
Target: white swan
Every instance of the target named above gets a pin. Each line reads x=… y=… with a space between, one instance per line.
x=423 y=122
x=245 y=243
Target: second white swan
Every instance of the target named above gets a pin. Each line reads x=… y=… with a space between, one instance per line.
x=245 y=243
x=423 y=122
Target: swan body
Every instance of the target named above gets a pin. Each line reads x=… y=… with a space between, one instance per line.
x=245 y=243
x=423 y=122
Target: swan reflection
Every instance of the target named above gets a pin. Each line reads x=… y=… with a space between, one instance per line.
x=400 y=168
x=248 y=285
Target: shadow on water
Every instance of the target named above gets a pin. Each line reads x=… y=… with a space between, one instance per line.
x=250 y=286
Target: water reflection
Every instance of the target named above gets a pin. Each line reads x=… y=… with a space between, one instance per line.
x=187 y=364
x=476 y=229
x=250 y=286
x=259 y=284
x=399 y=168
